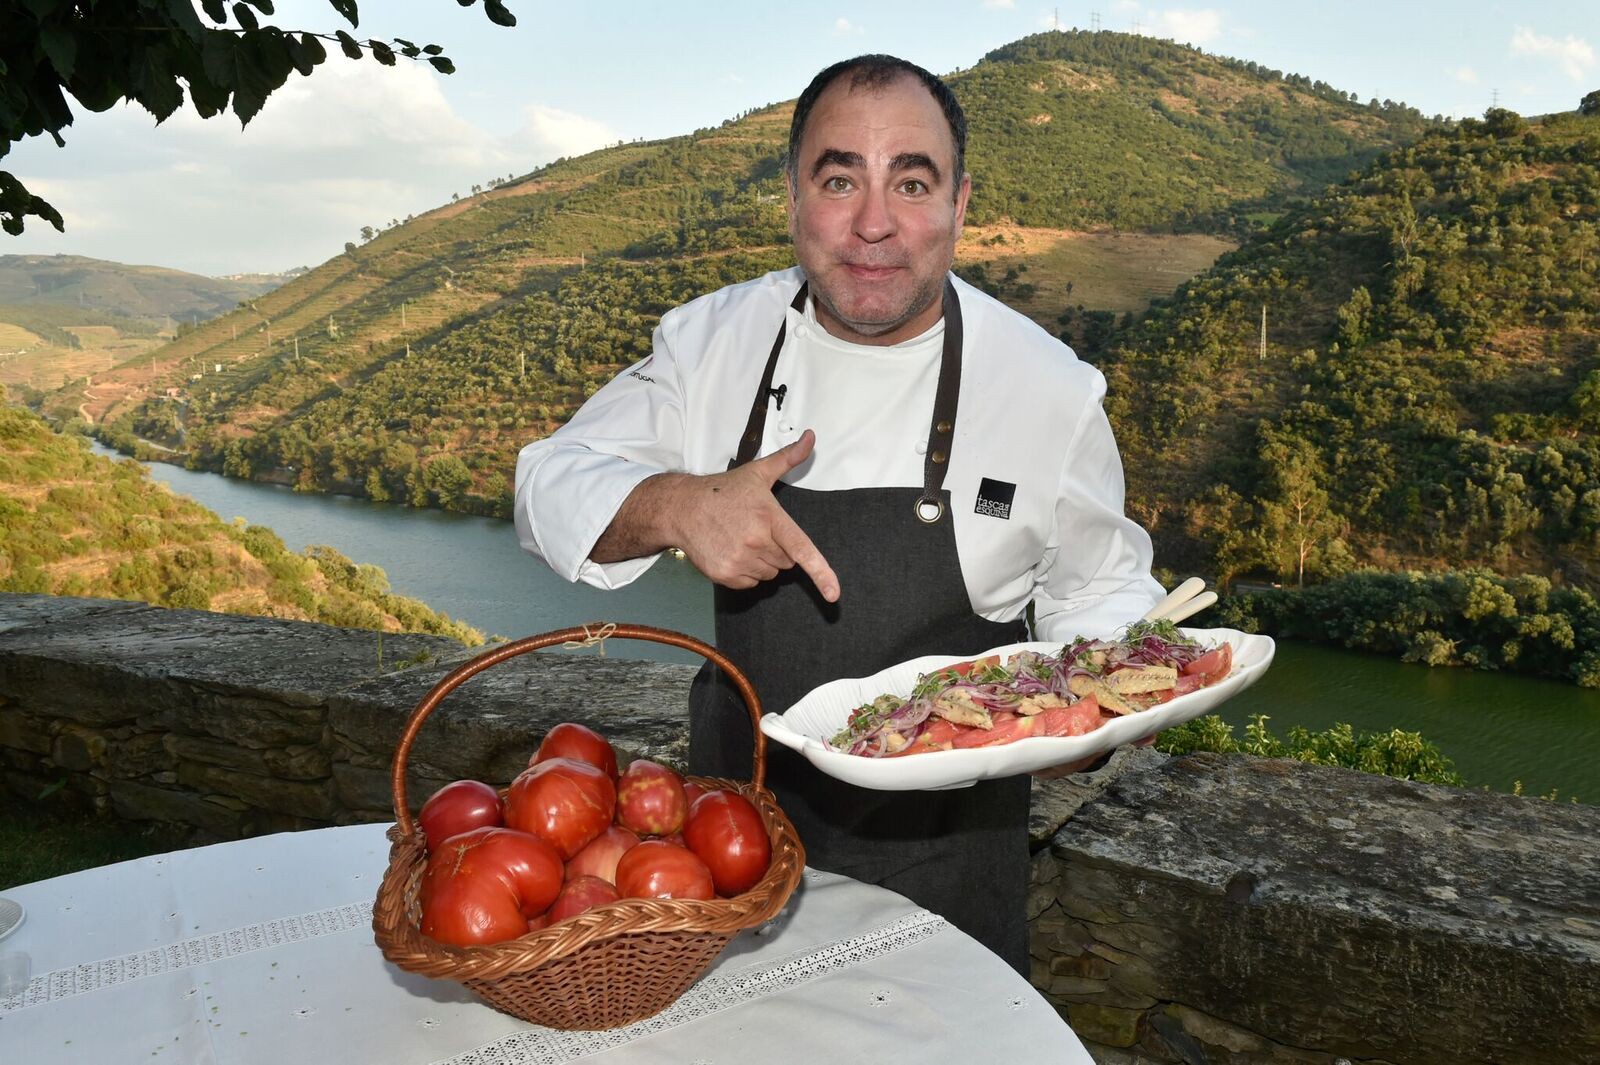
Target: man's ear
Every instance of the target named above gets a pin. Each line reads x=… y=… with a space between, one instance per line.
x=963 y=193
x=788 y=185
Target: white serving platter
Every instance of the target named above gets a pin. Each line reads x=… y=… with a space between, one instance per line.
x=806 y=726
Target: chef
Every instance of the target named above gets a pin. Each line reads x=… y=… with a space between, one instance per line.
x=872 y=461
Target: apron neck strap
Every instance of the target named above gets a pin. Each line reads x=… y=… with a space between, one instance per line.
x=758 y=408
x=941 y=427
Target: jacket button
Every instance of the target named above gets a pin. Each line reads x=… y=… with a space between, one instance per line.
x=938 y=458
x=922 y=447
x=943 y=427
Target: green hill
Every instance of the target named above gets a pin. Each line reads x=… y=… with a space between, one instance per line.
x=73 y=523
x=152 y=293
x=414 y=365
x=1429 y=394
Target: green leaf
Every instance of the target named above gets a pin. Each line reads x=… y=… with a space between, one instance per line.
x=381 y=52
x=245 y=17
x=263 y=6
x=348 y=43
x=62 y=48
x=154 y=86
x=244 y=65
x=181 y=12
x=442 y=65
x=498 y=13
x=347 y=8
x=433 y=49
x=300 y=56
x=216 y=10
x=314 y=48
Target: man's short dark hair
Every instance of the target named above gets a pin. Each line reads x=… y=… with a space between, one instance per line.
x=876 y=72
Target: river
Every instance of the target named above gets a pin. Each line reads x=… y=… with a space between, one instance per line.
x=1497 y=728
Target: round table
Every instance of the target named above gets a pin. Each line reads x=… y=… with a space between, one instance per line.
x=262 y=951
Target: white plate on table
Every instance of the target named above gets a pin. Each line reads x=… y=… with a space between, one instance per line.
x=807 y=725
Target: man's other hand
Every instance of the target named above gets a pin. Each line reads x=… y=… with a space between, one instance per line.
x=729 y=525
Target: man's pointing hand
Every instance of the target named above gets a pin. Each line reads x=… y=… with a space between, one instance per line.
x=728 y=524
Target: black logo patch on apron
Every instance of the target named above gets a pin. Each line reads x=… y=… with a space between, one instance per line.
x=994 y=498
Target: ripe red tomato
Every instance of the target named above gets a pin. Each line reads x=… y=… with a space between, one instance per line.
x=563 y=801
x=459 y=807
x=483 y=886
x=692 y=791
x=656 y=869
x=571 y=740
x=580 y=895
x=650 y=799
x=599 y=856
x=727 y=833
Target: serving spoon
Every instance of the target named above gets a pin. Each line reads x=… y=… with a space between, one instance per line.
x=1184 y=601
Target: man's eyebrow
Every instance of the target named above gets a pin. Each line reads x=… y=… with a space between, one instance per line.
x=916 y=161
x=836 y=157
x=852 y=160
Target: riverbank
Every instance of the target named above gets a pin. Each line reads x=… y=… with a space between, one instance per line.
x=1497 y=728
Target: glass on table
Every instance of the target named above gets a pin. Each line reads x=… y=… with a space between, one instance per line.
x=16 y=969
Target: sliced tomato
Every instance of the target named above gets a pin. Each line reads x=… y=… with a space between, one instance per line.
x=1187 y=682
x=1082 y=716
x=1212 y=666
x=964 y=668
x=1008 y=728
x=939 y=735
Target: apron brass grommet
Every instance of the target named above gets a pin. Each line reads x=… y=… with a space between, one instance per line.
x=929 y=511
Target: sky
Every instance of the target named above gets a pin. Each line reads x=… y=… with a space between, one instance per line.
x=359 y=144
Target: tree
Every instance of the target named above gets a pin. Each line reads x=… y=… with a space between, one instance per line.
x=1590 y=104
x=1295 y=522
x=147 y=51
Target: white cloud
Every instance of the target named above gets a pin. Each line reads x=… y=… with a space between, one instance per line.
x=1000 y=5
x=1188 y=26
x=355 y=145
x=1466 y=75
x=1574 y=55
x=844 y=27
x=547 y=133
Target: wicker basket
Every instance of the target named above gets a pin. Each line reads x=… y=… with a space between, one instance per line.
x=618 y=963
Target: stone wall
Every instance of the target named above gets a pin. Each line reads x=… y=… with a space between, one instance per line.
x=1204 y=909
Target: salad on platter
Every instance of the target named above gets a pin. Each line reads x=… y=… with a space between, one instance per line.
x=989 y=702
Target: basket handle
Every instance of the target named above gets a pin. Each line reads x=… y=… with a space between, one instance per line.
x=591 y=633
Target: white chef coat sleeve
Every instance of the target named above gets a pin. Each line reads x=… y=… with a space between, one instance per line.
x=571 y=484
x=1095 y=573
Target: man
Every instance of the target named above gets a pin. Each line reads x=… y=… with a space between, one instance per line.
x=872 y=461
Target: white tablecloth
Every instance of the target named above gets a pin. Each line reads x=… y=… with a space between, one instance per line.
x=262 y=951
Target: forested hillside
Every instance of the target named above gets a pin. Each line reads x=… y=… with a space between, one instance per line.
x=151 y=293
x=414 y=365
x=1429 y=393
x=1080 y=129
x=73 y=523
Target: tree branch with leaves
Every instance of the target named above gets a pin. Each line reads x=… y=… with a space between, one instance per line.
x=149 y=51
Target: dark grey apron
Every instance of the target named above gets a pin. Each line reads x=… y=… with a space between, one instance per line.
x=962 y=854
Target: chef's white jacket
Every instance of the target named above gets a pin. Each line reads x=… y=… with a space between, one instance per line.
x=1029 y=425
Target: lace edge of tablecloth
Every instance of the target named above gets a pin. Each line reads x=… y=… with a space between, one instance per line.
x=196 y=950
x=713 y=994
